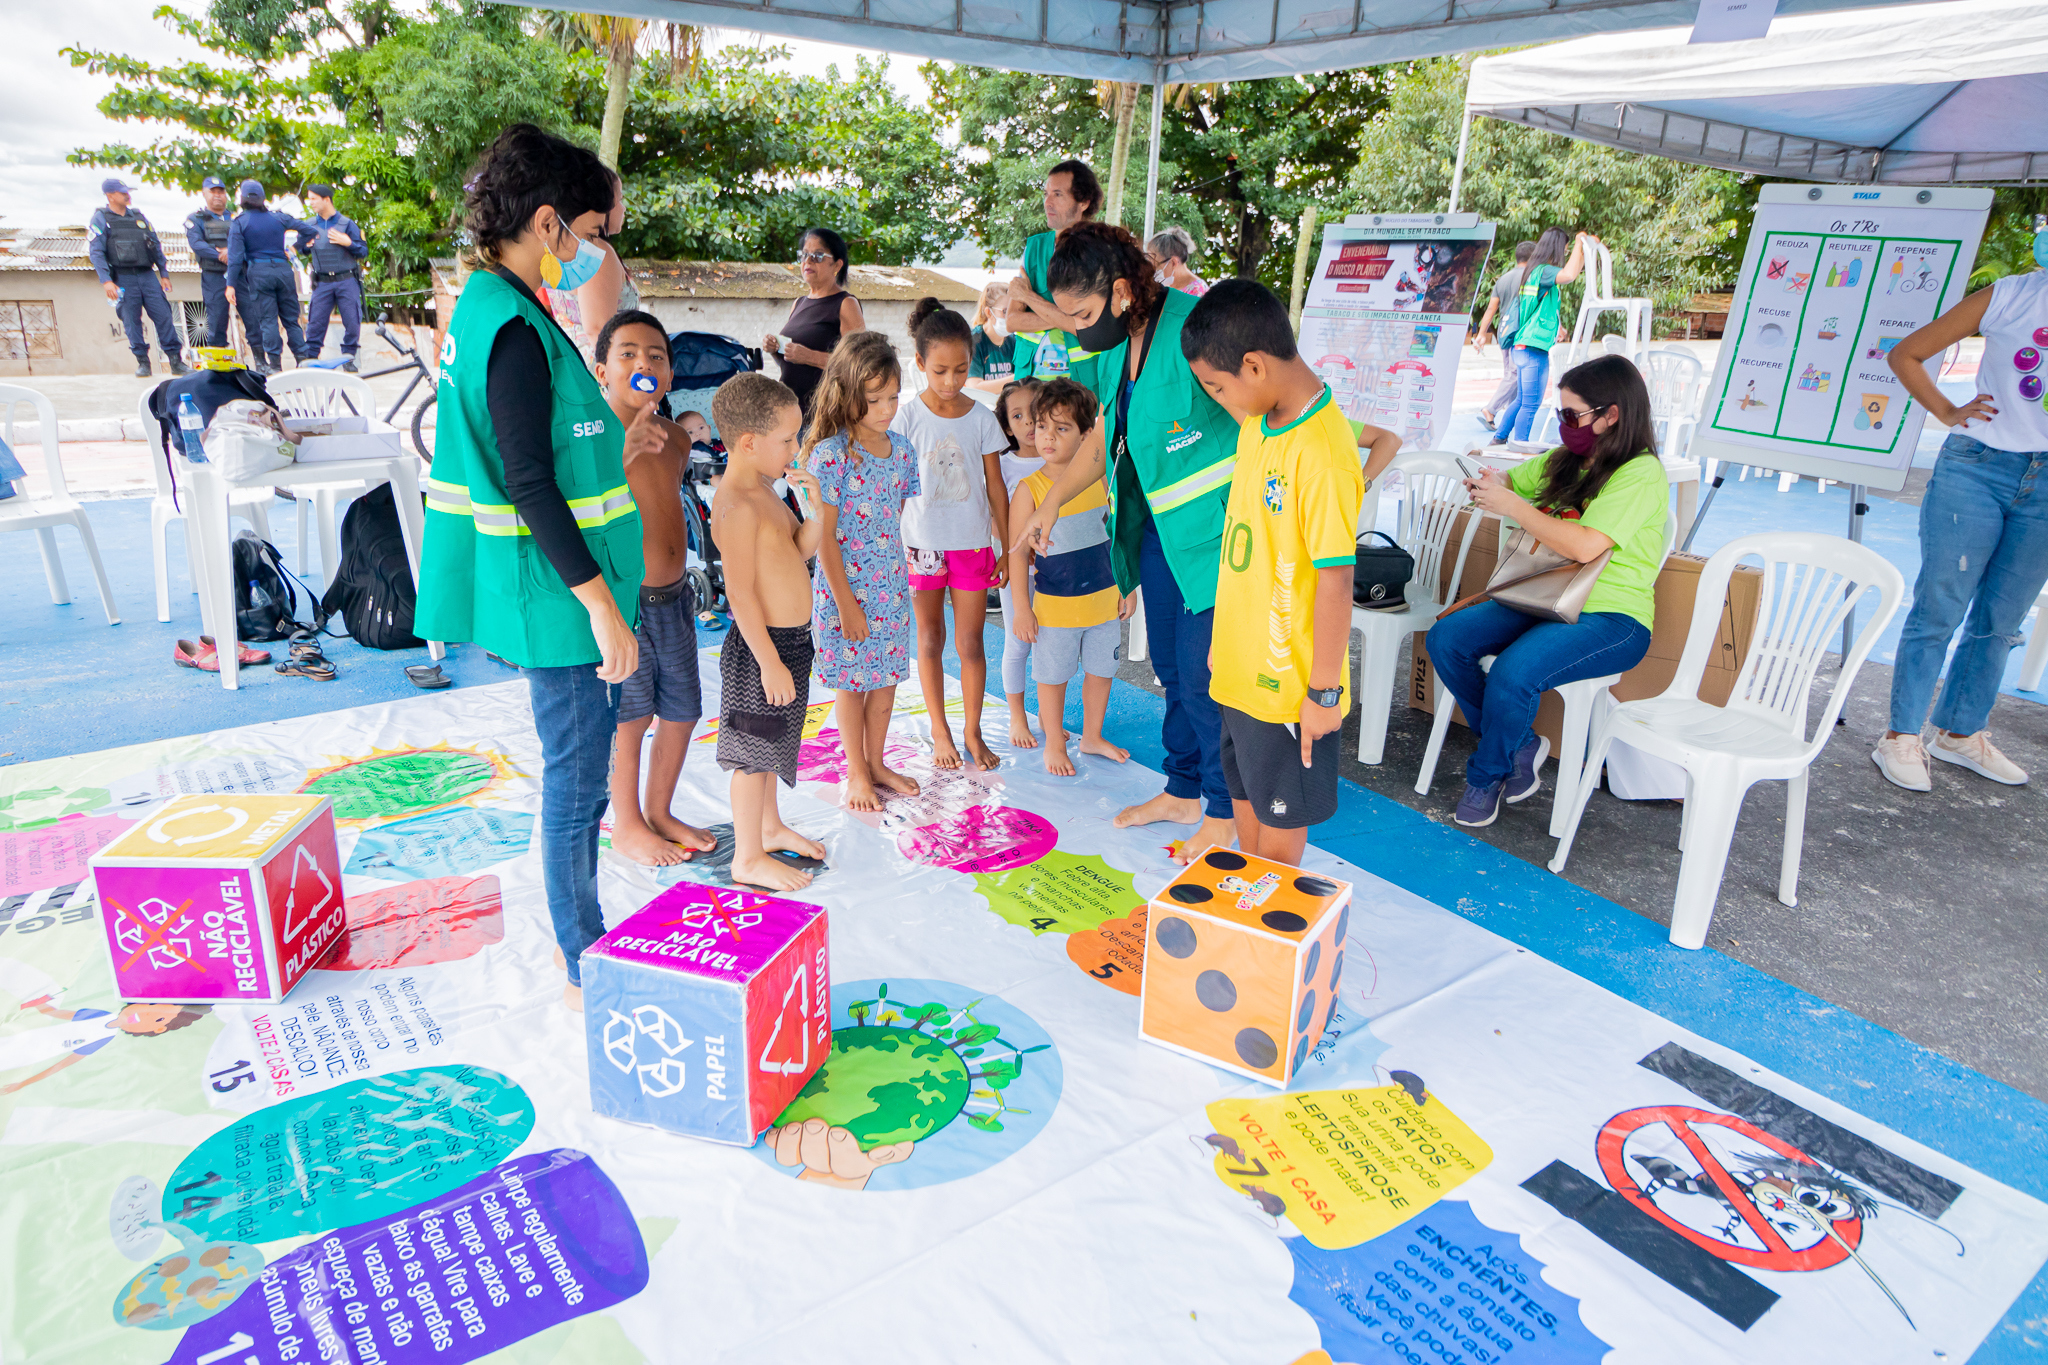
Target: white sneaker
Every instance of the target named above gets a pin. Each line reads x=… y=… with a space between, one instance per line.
x=1903 y=761
x=1980 y=756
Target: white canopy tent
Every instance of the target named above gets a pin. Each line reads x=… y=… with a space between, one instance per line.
x=1164 y=42
x=1933 y=94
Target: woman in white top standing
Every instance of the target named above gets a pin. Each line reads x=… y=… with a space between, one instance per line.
x=951 y=529
x=1983 y=528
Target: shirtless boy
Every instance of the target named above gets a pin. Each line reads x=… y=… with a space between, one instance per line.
x=765 y=668
x=633 y=369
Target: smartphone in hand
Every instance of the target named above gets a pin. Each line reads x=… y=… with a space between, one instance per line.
x=1472 y=470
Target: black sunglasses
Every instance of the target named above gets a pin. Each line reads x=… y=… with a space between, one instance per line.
x=1578 y=417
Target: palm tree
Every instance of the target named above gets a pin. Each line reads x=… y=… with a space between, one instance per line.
x=618 y=41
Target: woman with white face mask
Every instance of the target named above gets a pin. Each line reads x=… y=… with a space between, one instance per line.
x=525 y=432
x=1983 y=529
x=990 y=367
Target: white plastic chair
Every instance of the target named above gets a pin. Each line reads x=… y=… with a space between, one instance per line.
x=208 y=495
x=315 y=392
x=1678 y=385
x=1599 y=299
x=1578 y=698
x=1432 y=495
x=252 y=504
x=25 y=512
x=1810 y=581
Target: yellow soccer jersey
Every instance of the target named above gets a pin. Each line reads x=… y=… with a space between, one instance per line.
x=1294 y=503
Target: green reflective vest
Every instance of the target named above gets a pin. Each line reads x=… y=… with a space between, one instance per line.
x=1182 y=446
x=482 y=579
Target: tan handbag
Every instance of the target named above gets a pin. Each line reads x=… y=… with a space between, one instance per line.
x=1538 y=581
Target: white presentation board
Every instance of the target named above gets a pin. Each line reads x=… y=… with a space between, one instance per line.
x=1385 y=315
x=1834 y=277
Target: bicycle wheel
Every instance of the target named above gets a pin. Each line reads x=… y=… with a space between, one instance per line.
x=422 y=435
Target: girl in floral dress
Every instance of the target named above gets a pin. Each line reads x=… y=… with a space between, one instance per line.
x=860 y=591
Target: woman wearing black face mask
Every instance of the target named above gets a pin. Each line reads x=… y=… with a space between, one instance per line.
x=1169 y=449
x=1603 y=489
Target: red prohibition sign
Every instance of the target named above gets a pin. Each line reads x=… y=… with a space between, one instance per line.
x=1683 y=1122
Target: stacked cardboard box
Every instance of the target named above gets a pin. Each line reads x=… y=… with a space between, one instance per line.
x=1677 y=586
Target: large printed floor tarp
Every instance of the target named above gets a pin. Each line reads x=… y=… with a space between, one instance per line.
x=1486 y=1159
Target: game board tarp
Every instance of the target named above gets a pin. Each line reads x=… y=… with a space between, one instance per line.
x=1485 y=1159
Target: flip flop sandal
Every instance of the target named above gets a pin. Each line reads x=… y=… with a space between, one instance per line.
x=306 y=649
x=244 y=655
x=428 y=677
x=319 y=670
x=186 y=654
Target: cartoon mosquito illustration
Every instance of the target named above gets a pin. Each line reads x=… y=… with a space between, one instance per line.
x=1793 y=1195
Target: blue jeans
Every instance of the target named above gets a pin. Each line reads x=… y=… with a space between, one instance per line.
x=1179 y=641
x=1531 y=657
x=1984 y=555
x=578 y=720
x=1513 y=421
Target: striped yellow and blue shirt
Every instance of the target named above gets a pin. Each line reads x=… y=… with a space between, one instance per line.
x=1075 y=584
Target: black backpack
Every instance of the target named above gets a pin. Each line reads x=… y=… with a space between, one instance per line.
x=266 y=601
x=373 y=591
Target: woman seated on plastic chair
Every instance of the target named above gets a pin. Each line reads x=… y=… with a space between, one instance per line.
x=1604 y=488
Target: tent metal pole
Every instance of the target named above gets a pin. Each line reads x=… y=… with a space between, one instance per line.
x=1152 y=149
x=1458 y=174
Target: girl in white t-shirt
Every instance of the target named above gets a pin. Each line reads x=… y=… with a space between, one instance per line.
x=1983 y=529
x=951 y=529
x=1013 y=412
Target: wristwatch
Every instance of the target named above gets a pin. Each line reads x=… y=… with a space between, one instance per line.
x=1328 y=696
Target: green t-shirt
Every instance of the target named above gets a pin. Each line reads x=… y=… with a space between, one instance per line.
x=1630 y=511
x=990 y=360
x=1536 y=326
x=1025 y=350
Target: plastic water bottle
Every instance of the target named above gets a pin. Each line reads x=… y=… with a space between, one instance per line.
x=191 y=427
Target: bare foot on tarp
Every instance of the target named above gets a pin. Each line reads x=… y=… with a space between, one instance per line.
x=1214 y=833
x=636 y=841
x=1102 y=748
x=978 y=750
x=691 y=839
x=1056 y=761
x=780 y=838
x=1160 y=810
x=900 y=783
x=768 y=873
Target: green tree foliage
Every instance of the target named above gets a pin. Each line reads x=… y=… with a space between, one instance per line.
x=1239 y=161
x=1663 y=220
x=391 y=109
x=736 y=161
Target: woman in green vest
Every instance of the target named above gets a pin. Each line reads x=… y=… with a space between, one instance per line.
x=532 y=546
x=1169 y=450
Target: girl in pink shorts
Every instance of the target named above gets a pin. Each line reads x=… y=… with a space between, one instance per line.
x=952 y=529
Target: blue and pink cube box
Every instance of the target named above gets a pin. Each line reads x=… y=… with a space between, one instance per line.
x=707 y=1011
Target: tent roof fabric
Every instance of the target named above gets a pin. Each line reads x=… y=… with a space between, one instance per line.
x=1930 y=94
x=1174 y=40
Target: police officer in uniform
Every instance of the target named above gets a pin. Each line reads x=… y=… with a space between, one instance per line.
x=337 y=250
x=206 y=232
x=260 y=279
x=129 y=260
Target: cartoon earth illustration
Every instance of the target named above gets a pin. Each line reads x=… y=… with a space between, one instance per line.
x=911 y=1072
x=884 y=1085
x=191 y=1286
x=406 y=781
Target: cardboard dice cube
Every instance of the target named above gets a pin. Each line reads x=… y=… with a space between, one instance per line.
x=707 y=1011
x=1242 y=959
x=221 y=898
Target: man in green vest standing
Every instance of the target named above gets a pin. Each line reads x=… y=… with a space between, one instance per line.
x=1041 y=335
x=532 y=545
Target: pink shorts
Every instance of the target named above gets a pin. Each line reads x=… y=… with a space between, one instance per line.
x=974 y=570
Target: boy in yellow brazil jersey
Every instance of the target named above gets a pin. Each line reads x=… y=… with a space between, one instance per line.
x=1278 y=669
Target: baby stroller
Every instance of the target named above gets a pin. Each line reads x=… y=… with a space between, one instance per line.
x=701 y=361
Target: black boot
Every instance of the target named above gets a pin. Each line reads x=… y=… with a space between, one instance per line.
x=177 y=364
x=142 y=370
x=348 y=366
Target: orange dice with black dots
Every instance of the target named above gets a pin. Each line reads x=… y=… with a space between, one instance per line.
x=1242 y=960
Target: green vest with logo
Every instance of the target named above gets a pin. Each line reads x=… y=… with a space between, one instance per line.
x=482 y=578
x=1182 y=447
